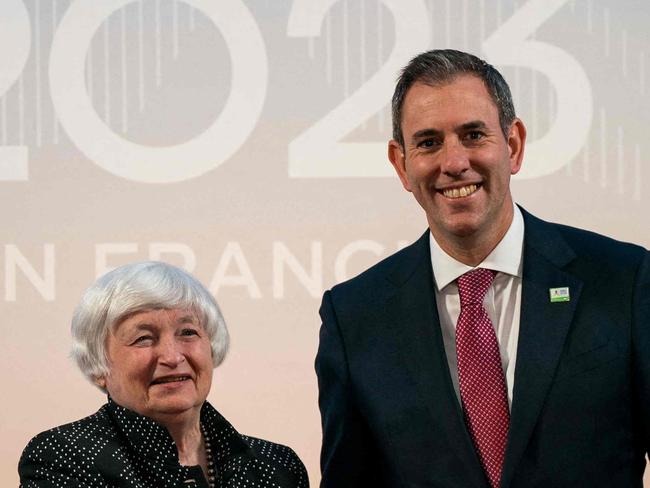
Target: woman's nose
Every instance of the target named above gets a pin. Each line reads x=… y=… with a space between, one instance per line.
x=170 y=352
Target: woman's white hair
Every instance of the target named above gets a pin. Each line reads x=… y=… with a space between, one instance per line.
x=133 y=288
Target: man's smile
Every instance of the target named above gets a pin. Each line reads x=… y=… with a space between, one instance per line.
x=460 y=192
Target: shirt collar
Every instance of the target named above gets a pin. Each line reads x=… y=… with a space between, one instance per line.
x=504 y=258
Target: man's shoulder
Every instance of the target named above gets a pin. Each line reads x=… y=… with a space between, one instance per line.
x=598 y=243
x=585 y=244
x=383 y=275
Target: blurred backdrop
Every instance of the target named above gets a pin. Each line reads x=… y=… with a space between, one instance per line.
x=245 y=140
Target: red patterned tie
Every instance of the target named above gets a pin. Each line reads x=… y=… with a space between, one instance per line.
x=480 y=376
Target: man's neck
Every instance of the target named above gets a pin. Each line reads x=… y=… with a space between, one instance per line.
x=468 y=252
x=472 y=249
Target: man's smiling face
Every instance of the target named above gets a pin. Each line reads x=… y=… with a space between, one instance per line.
x=456 y=160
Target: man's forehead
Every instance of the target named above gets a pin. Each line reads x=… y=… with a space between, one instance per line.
x=463 y=98
x=461 y=86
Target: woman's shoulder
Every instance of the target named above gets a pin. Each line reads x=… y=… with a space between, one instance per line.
x=270 y=450
x=56 y=454
x=256 y=461
x=283 y=461
x=93 y=426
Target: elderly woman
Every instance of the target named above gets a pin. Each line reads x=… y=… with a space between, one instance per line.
x=149 y=335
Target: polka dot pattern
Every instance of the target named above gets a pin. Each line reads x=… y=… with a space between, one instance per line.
x=117 y=448
x=480 y=375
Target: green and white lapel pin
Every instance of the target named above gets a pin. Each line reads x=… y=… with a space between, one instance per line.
x=560 y=294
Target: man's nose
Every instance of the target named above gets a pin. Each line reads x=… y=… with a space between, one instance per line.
x=455 y=160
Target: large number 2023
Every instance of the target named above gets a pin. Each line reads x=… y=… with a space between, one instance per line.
x=15 y=43
x=318 y=152
x=92 y=136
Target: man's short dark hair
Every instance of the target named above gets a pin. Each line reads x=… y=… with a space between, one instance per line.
x=441 y=66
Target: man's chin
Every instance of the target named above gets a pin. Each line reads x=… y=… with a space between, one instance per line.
x=457 y=227
x=465 y=231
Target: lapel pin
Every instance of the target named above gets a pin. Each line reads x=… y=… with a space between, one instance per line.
x=559 y=294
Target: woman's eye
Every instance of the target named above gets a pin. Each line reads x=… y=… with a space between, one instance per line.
x=145 y=339
x=189 y=332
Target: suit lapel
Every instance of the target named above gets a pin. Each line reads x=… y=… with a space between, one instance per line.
x=414 y=320
x=542 y=331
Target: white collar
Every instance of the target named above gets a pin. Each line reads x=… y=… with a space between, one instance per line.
x=506 y=257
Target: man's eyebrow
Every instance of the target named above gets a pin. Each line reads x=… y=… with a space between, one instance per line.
x=426 y=133
x=474 y=124
x=471 y=125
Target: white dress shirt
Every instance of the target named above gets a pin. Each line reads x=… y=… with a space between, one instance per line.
x=502 y=300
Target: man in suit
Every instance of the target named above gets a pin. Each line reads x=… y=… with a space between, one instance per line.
x=498 y=349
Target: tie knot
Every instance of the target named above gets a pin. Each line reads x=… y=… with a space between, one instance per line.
x=473 y=285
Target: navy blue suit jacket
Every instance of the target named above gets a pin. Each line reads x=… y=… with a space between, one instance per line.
x=581 y=402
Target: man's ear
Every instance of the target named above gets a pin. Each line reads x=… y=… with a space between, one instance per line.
x=516 y=143
x=398 y=160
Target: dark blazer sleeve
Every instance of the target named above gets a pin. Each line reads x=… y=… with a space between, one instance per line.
x=39 y=468
x=641 y=350
x=347 y=457
x=297 y=474
x=288 y=470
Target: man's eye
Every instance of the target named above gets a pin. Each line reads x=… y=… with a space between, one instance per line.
x=427 y=143
x=474 y=135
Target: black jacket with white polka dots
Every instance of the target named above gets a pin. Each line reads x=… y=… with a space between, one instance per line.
x=116 y=447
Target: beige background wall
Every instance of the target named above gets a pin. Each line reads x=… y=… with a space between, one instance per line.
x=245 y=140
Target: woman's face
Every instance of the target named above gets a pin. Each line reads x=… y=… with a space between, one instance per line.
x=160 y=364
